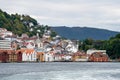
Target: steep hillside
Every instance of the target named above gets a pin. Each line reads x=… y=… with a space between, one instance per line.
x=19 y=24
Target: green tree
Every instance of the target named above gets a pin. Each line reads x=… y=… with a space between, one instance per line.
x=113 y=47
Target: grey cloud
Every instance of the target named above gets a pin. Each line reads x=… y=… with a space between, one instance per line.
x=95 y=13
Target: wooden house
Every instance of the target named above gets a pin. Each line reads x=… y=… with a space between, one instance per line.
x=40 y=57
x=98 y=57
x=79 y=56
x=4 y=56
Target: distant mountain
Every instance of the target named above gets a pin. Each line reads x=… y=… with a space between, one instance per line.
x=81 y=33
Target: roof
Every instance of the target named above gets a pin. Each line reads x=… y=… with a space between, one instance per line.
x=27 y=51
x=99 y=54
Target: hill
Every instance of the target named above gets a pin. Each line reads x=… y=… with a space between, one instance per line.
x=19 y=24
x=81 y=33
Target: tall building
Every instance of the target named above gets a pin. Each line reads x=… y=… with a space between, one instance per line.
x=5 y=44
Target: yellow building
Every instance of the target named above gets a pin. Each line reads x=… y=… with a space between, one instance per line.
x=40 y=56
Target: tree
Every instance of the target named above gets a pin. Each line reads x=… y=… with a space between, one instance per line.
x=53 y=34
x=113 y=47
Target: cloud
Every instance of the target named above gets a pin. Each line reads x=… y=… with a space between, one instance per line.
x=93 y=13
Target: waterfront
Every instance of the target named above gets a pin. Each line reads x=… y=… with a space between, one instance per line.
x=60 y=71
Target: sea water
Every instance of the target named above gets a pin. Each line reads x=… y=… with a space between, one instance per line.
x=60 y=71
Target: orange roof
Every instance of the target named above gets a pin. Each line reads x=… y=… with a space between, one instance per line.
x=27 y=51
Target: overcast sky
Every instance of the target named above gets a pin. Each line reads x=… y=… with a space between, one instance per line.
x=93 y=13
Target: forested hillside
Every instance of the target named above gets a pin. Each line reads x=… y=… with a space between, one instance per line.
x=19 y=24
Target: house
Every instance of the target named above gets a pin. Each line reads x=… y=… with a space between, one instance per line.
x=40 y=57
x=98 y=57
x=14 y=45
x=3 y=29
x=4 y=33
x=29 y=55
x=14 y=56
x=46 y=36
x=39 y=43
x=4 y=56
x=24 y=36
x=67 y=57
x=72 y=47
x=79 y=56
x=11 y=38
x=30 y=45
x=27 y=44
x=49 y=56
x=39 y=49
x=10 y=56
x=5 y=44
x=19 y=55
x=57 y=57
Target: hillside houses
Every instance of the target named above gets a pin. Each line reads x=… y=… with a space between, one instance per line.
x=45 y=49
x=4 y=33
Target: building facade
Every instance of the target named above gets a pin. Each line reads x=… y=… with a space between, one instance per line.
x=5 y=45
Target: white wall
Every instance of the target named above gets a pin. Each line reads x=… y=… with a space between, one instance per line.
x=48 y=57
x=29 y=56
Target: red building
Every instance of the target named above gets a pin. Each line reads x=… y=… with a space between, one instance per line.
x=19 y=56
x=10 y=56
x=98 y=57
x=4 y=56
x=15 y=56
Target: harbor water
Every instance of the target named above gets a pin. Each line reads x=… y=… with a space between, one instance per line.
x=60 y=71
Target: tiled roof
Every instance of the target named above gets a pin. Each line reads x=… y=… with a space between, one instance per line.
x=27 y=51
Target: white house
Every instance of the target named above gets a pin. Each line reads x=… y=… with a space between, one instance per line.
x=67 y=58
x=3 y=29
x=6 y=33
x=57 y=57
x=29 y=55
x=30 y=45
x=72 y=47
x=49 y=56
x=46 y=36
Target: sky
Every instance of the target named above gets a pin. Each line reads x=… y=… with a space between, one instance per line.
x=92 y=13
